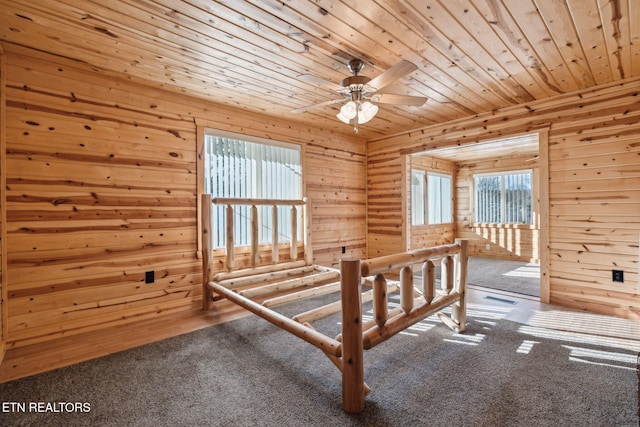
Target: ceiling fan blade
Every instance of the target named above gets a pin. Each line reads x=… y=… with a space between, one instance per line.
x=311 y=107
x=399 y=70
x=309 y=78
x=387 y=98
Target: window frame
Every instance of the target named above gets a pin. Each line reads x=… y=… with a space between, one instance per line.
x=426 y=208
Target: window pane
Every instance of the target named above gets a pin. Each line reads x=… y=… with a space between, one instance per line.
x=243 y=169
x=439 y=198
x=518 y=198
x=417 y=197
x=488 y=199
x=504 y=198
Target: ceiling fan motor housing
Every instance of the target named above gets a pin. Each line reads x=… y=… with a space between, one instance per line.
x=355 y=85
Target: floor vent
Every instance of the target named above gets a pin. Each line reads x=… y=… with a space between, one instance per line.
x=508 y=301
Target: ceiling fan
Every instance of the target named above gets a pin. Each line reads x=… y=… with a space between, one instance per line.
x=363 y=93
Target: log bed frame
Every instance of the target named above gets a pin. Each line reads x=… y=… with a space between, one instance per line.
x=260 y=287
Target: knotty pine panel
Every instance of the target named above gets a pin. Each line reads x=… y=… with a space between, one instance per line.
x=575 y=294
x=593 y=143
x=385 y=217
x=102 y=187
x=4 y=330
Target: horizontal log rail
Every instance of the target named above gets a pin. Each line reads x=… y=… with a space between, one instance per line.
x=320 y=340
x=241 y=281
x=402 y=321
x=389 y=263
x=298 y=282
x=334 y=307
x=303 y=294
x=257 y=202
x=276 y=271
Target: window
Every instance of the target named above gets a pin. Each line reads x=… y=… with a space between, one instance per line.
x=240 y=168
x=417 y=197
x=439 y=198
x=504 y=198
x=431 y=201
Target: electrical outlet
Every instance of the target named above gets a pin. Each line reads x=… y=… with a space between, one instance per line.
x=617 y=276
x=149 y=277
x=344 y=249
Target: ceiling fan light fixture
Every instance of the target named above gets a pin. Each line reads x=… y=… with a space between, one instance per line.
x=367 y=112
x=344 y=119
x=347 y=112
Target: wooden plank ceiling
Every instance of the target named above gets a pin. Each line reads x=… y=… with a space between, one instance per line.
x=521 y=145
x=473 y=56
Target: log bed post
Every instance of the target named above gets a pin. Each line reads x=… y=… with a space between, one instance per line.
x=207 y=251
x=294 y=233
x=230 y=241
x=306 y=214
x=255 y=238
x=352 y=348
x=275 y=250
x=459 y=308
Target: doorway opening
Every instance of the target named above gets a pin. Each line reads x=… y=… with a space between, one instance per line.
x=495 y=202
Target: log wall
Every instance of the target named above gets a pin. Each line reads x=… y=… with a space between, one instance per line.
x=101 y=188
x=3 y=210
x=593 y=204
x=505 y=241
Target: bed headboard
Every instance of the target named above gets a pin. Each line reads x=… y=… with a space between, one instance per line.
x=231 y=242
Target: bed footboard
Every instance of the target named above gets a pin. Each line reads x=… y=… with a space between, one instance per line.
x=357 y=337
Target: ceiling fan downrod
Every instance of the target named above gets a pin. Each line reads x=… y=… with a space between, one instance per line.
x=355 y=66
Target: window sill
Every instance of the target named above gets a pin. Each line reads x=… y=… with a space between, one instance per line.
x=511 y=226
x=441 y=224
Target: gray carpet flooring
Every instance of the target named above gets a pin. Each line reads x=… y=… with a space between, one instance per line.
x=250 y=373
x=505 y=275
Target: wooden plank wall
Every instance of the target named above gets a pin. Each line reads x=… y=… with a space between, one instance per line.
x=3 y=209
x=421 y=236
x=101 y=188
x=508 y=241
x=593 y=155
